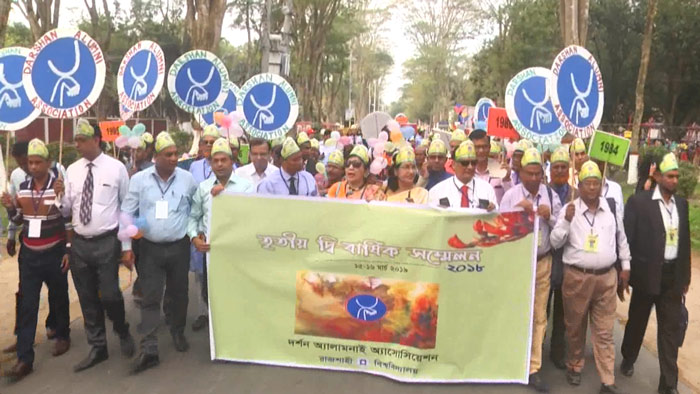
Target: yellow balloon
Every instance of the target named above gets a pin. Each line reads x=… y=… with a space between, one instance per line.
x=218 y=116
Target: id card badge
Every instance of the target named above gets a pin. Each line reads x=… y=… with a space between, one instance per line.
x=161 y=209
x=672 y=237
x=34 y=228
x=591 y=244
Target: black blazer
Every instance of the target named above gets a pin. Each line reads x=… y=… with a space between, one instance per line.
x=646 y=235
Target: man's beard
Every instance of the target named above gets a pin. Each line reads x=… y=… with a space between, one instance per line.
x=561 y=179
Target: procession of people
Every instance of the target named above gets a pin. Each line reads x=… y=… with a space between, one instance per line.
x=590 y=247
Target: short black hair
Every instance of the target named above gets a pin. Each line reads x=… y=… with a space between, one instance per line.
x=20 y=148
x=259 y=141
x=479 y=134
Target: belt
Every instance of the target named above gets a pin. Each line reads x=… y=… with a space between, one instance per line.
x=596 y=271
x=670 y=261
x=99 y=236
x=167 y=243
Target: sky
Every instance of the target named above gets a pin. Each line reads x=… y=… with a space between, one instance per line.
x=401 y=50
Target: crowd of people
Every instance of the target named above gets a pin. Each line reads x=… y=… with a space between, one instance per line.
x=591 y=246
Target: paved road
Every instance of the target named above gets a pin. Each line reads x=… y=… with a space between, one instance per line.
x=193 y=372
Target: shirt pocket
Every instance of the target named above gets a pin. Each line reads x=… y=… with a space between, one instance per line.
x=178 y=202
x=105 y=193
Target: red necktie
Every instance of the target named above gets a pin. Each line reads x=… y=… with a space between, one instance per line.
x=465 y=196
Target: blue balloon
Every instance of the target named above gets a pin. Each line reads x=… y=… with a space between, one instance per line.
x=407 y=132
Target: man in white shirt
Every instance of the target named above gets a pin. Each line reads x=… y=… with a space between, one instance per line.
x=464 y=190
x=95 y=186
x=593 y=239
x=482 y=143
x=532 y=195
x=259 y=167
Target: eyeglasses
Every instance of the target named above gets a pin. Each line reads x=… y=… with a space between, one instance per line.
x=468 y=163
x=206 y=142
x=353 y=164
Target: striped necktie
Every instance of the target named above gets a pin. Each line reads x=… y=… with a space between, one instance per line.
x=86 y=200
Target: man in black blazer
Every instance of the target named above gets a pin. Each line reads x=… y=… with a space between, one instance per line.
x=657 y=227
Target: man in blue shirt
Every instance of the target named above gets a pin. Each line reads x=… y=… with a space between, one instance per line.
x=291 y=179
x=200 y=215
x=161 y=194
x=437 y=158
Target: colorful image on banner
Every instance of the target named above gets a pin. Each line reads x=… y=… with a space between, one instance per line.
x=366 y=308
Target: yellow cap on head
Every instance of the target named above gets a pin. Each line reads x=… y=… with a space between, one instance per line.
x=669 y=163
x=336 y=158
x=221 y=145
x=578 y=146
x=302 y=138
x=589 y=169
x=405 y=155
x=560 y=154
x=37 y=148
x=437 y=147
x=211 y=131
x=163 y=141
x=289 y=147
x=465 y=151
x=361 y=152
x=458 y=135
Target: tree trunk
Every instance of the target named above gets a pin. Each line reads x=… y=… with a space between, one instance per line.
x=642 y=77
x=573 y=19
x=5 y=6
x=203 y=21
x=43 y=18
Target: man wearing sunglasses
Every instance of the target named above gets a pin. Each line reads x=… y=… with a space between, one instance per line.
x=464 y=190
x=533 y=196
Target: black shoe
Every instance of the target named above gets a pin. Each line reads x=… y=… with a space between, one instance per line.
x=200 y=323
x=669 y=390
x=558 y=363
x=627 y=368
x=127 y=346
x=535 y=382
x=18 y=371
x=50 y=333
x=96 y=356
x=180 y=342
x=144 y=362
x=573 y=378
x=610 y=389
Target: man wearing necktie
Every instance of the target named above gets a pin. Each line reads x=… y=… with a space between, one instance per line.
x=291 y=179
x=464 y=190
x=95 y=186
x=161 y=194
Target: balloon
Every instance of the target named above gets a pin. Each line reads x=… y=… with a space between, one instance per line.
x=407 y=132
x=396 y=136
x=237 y=115
x=235 y=130
x=121 y=141
x=345 y=140
x=218 y=116
x=393 y=125
x=379 y=147
x=320 y=168
x=122 y=236
x=383 y=137
x=377 y=153
x=375 y=168
x=138 y=129
x=131 y=230
x=335 y=134
x=372 y=141
x=226 y=121
x=124 y=130
x=340 y=145
x=125 y=219
x=134 y=142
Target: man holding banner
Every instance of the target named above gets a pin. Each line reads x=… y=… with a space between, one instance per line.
x=593 y=239
x=95 y=187
x=535 y=197
x=162 y=195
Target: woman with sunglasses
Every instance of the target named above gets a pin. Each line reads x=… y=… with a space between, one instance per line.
x=355 y=185
x=464 y=190
x=402 y=174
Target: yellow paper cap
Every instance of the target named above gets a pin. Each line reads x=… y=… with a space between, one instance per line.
x=84 y=128
x=578 y=146
x=37 y=148
x=302 y=138
x=289 y=147
x=531 y=156
x=495 y=148
x=589 y=169
x=314 y=143
x=234 y=142
x=560 y=154
x=523 y=145
x=458 y=135
x=336 y=158
x=147 y=138
x=277 y=142
x=163 y=141
x=211 y=131
x=361 y=152
x=405 y=155
x=437 y=147
x=425 y=142
x=669 y=163
x=221 y=145
x=465 y=151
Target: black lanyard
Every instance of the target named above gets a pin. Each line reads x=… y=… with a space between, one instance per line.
x=36 y=204
x=362 y=196
x=287 y=185
x=162 y=192
x=590 y=222
x=473 y=191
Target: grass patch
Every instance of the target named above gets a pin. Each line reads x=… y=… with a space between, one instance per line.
x=694 y=218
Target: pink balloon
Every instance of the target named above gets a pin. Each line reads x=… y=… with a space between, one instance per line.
x=383 y=137
x=235 y=130
x=226 y=121
x=345 y=140
x=237 y=115
x=134 y=142
x=121 y=141
x=393 y=125
x=125 y=219
x=131 y=230
x=379 y=147
x=375 y=168
x=372 y=141
x=122 y=236
x=377 y=153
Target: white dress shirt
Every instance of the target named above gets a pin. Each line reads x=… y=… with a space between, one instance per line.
x=248 y=172
x=110 y=187
x=612 y=189
x=573 y=236
x=669 y=214
x=518 y=193
x=451 y=188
